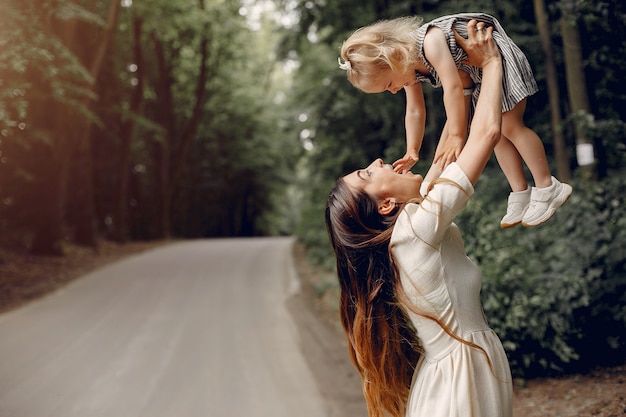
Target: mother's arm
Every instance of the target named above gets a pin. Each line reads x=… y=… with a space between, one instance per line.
x=486 y=125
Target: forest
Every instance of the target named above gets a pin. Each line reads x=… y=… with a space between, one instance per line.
x=132 y=120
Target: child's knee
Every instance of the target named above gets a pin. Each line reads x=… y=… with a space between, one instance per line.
x=512 y=127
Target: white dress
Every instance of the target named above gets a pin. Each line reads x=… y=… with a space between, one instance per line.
x=451 y=378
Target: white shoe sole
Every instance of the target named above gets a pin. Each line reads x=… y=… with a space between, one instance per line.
x=558 y=201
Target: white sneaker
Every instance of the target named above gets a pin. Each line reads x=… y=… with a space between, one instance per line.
x=545 y=201
x=515 y=208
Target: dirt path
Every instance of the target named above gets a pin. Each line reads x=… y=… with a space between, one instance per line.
x=325 y=350
x=193 y=329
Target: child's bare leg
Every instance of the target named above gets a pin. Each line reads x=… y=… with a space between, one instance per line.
x=527 y=144
x=548 y=194
x=511 y=164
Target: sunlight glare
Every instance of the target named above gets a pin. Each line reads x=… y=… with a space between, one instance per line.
x=279 y=97
x=256 y=10
x=306 y=140
x=290 y=65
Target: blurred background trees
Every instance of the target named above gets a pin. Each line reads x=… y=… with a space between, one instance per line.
x=137 y=120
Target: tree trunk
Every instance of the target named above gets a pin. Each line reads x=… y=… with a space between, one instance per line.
x=577 y=90
x=162 y=146
x=121 y=226
x=86 y=224
x=560 y=149
x=52 y=162
x=193 y=123
x=49 y=196
x=172 y=151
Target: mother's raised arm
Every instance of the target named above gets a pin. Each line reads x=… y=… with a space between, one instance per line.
x=486 y=125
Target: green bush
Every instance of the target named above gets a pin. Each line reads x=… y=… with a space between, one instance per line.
x=555 y=294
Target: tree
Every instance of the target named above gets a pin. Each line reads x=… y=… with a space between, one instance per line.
x=561 y=155
x=576 y=83
x=207 y=167
x=58 y=86
x=85 y=214
x=121 y=219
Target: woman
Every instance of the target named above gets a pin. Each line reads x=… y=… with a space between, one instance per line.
x=410 y=302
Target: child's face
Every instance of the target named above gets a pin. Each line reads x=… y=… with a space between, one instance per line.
x=389 y=80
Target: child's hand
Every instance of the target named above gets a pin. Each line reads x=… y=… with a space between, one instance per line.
x=406 y=162
x=449 y=149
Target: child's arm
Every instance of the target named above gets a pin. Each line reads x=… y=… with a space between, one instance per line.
x=437 y=52
x=449 y=148
x=414 y=122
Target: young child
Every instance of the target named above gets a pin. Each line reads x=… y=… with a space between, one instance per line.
x=402 y=54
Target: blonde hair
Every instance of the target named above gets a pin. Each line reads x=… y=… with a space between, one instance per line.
x=384 y=45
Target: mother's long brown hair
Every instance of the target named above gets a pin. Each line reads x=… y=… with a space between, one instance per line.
x=382 y=343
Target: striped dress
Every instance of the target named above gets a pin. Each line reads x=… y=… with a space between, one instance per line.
x=518 y=81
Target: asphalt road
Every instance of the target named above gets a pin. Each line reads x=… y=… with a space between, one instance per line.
x=192 y=329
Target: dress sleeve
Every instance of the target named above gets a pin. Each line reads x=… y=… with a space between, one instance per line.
x=430 y=220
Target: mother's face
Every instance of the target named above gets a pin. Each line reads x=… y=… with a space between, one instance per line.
x=385 y=186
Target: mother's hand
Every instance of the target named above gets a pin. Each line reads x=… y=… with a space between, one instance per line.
x=479 y=46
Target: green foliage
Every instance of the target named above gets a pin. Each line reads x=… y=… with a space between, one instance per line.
x=554 y=293
x=41 y=79
x=238 y=166
x=35 y=65
x=241 y=163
